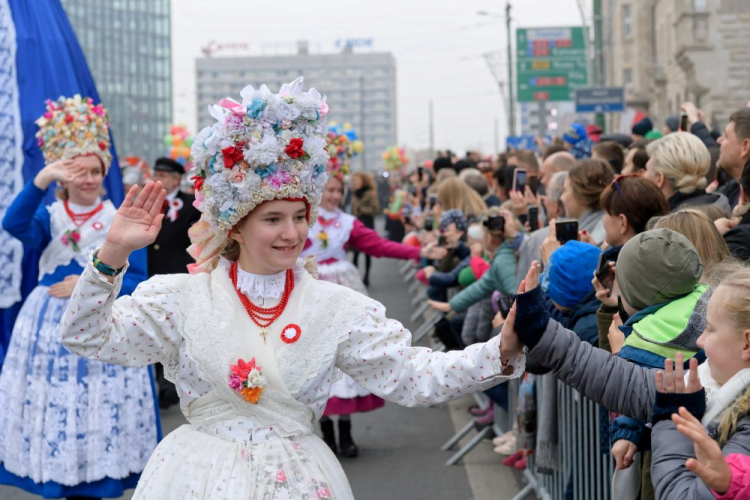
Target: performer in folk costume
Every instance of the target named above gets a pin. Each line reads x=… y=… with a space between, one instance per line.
x=70 y=427
x=168 y=254
x=254 y=342
x=332 y=233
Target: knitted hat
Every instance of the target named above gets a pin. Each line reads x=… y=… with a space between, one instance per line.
x=657 y=266
x=653 y=135
x=456 y=217
x=569 y=273
x=74 y=126
x=576 y=133
x=643 y=127
x=269 y=147
x=673 y=123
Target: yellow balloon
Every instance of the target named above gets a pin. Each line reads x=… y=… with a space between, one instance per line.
x=347 y=127
x=176 y=140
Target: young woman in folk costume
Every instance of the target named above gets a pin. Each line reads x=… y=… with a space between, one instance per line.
x=332 y=234
x=70 y=427
x=252 y=342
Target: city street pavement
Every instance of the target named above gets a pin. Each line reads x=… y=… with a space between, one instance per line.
x=400 y=456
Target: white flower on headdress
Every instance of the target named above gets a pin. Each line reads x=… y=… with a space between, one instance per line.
x=293 y=89
x=309 y=103
x=281 y=110
x=263 y=152
x=315 y=147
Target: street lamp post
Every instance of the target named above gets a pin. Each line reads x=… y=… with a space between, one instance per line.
x=511 y=100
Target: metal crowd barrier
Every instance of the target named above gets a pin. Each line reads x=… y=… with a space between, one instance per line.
x=580 y=464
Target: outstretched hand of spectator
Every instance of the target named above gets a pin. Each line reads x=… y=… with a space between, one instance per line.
x=531 y=280
x=615 y=336
x=518 y=203
x=444 y=307
x=550 y=243
x=672 y=379
x=723 y=225
x=709 y=463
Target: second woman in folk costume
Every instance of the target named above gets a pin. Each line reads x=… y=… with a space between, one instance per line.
x=333 y=233
x=70 y=427
x=254 y=342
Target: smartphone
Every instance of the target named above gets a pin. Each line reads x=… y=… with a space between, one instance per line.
x=604 y=273
x=504 y=303
x=429 y=223
x=420 y=173
x=432 y=201
x=684 y=127
x=442 y=241
x=566 y=231
x=496 y=223
x=534 y=218
x=519 y=180
x=534 y=184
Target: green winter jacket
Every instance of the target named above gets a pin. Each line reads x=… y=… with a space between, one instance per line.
x=501 y=276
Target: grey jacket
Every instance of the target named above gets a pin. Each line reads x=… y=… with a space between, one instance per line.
x=626 y=388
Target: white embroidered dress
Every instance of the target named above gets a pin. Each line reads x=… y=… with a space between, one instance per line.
x=231 y=449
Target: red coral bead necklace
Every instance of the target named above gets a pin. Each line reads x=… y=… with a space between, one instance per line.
x=263 y=317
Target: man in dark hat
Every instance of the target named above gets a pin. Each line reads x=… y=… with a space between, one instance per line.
x=168 y=254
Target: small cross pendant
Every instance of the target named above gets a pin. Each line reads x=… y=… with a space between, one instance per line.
x=264 y=334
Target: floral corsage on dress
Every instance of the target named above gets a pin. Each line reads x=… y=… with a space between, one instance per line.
x=246 y=379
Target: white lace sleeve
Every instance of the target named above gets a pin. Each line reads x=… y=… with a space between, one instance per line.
x=379 y=356
x=136 y=330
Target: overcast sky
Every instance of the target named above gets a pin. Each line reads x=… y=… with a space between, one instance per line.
x=438 y=47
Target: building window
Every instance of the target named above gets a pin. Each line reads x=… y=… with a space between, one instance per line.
x=627 y=21
x=699 y=5
x=627 y=77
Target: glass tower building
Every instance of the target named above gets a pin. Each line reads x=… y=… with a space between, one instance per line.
x=127 y=44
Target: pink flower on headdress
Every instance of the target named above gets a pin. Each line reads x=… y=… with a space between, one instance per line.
x=280 y=476
x=286 y=124
x=324 y=492
x=279 y=179
x=324 y=108
x=238 y=176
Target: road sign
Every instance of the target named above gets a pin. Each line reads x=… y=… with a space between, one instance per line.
x=600 y=99
x=550 y=63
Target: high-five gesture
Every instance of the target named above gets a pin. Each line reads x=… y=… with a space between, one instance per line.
x=136 y=224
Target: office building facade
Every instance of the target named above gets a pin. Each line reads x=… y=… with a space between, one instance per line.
x=127 y=44
x=361 y=90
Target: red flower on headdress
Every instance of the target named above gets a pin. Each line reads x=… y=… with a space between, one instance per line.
x=232 y=155
x=198 y=182
x=294 y=149
x=102 y=145
x=68 y=119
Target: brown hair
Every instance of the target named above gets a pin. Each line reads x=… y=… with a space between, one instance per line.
x=612 y=153
x=231 y=250
x=741 y=121
x=588 y=179
x=698 y=228
x=368 y=181
x=526 y=159
x=636 y=198
x=455 y=193
x=550 y=150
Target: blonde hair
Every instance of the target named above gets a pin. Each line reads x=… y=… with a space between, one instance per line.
x=736 y=307
x=683 y=159
x=455 y=193
x=444 y=174
x=698 y=228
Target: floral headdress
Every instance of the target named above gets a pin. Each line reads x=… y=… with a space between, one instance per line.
x=74 y=126
x=268 y=147
x=342 y=146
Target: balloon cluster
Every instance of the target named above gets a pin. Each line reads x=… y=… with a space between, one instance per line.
x=178 y=142
x=395 y=159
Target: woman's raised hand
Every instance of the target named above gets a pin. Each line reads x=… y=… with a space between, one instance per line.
x=532 y=278
x=59 y=171
x=135 y=225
